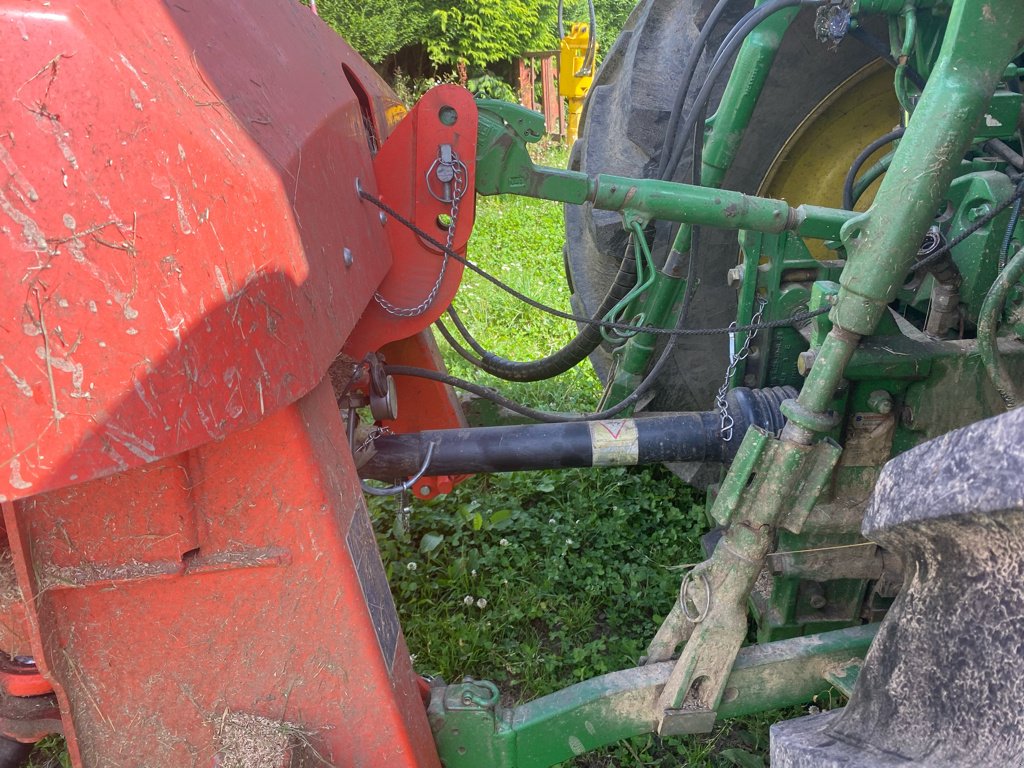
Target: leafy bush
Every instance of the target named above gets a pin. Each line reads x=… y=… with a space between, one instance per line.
x=488 y=86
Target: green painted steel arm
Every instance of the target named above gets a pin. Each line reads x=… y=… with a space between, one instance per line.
x=504 y=167
x=473 y=730
x=881 y=246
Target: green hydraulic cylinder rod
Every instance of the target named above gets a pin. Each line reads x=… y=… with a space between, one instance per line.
x=646 y=199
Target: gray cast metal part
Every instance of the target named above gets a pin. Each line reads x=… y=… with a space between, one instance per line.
x=941 y=685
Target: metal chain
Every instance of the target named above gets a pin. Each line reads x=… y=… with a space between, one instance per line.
x=458 y=182
x=374 y=434
x=735 y=358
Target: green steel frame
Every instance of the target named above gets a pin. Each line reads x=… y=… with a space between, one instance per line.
x=772 y=488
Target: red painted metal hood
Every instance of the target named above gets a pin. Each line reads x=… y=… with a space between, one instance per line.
x=178 y=191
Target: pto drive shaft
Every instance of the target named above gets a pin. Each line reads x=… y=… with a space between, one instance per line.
x=643 y=440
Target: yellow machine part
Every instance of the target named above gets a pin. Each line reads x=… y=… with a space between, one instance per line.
x=572 y=83
x=812 y=164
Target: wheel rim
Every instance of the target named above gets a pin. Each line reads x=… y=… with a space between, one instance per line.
x=812 y=164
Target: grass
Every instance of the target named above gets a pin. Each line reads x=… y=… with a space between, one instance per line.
x=540 y=580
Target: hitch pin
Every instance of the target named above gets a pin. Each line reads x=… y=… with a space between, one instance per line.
x=446 y=170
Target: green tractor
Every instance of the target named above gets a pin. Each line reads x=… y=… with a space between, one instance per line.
x=792 y=235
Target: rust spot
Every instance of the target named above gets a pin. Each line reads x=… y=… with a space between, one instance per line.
x=731 y=210
x=629 y=196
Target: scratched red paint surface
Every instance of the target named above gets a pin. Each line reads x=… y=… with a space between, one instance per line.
x=177 y=193
x=150 y=649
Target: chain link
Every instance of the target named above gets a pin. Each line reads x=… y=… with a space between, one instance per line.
x=735 y=358
x=458 y=187
x=373 y=435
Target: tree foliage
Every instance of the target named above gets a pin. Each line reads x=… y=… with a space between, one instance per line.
x=479 y=32
x=375 y=28
x=464 y=32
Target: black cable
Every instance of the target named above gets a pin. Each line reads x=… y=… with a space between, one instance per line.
x=560 y=361
x=591 y=53
x=725 y=54
x=858 y=163
x=968 y=231
x=628 y=327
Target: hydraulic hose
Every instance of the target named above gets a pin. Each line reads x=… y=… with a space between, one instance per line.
x=988 y=325
x=869 y=177
x=685 y=81
x=729 y=48
x=849 y=199
x=591 y=53
x=566 y=358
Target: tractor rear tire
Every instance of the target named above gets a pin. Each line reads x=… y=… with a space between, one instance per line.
x=622 y=132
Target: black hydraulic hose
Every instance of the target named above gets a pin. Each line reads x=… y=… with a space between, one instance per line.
x=1006 y=152
x=729 y=49
x=557 y=363
x=1004 y=249
x=868 y=151
x=686 y=80
x=591 y=54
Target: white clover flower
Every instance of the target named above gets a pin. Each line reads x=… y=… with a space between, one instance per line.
x=467 y=600
x=569 y=542
x=503 y=543
x=551 y=521
x=411 y=566
x=481 y=603
x=473 y=573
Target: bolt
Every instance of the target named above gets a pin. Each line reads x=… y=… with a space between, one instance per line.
x=805 y=360
x=734 y=277
x=383 y=217
x=978 y=211
x=347 y=257
x=424 y=490
x=907 y=416
x=818 y=602
x=880 y=401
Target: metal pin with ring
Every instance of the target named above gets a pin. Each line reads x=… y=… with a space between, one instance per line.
x=687 y=579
